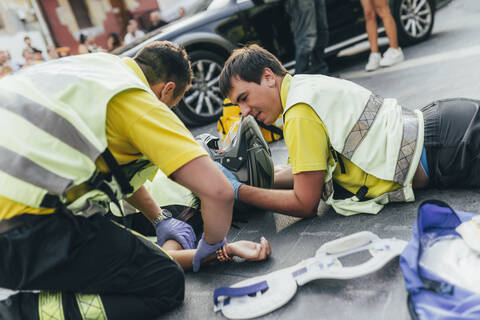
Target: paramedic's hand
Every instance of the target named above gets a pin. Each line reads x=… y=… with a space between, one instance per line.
x=231 y=177
x=204 y=250
x=248 y=250
x=177 y=230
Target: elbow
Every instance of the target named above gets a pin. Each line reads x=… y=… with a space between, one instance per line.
x=222 y=192
x=307 y=213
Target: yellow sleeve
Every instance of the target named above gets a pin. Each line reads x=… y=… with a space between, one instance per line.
x=306 y=139
x=138 y=123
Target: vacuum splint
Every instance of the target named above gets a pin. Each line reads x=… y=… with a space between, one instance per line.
x=260 y=295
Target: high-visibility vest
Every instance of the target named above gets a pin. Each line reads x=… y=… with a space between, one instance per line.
x=379 y=136
x=53 y=124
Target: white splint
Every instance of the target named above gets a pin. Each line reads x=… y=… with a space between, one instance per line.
x=260 y=295
x=470 y=232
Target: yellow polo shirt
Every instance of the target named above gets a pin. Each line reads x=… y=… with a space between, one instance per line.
x=308 y=147
x=137 y=124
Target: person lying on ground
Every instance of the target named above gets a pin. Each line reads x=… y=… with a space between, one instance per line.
x=347 y=145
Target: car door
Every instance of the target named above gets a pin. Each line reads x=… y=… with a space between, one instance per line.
x=345 y=20
x=267 y=24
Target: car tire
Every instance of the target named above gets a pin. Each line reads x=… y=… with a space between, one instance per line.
x=203 y=102
x=414 y=20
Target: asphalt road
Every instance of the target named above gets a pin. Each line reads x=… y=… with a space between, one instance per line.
x=445 y=66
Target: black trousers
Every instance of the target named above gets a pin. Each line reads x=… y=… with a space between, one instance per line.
x=310 y=31
x=73 y=255
x=452 y=142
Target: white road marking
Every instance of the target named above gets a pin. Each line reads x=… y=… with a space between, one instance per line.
x=413 y=63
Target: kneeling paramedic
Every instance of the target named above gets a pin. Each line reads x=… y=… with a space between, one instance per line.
x=77 y=134
x=354 y=149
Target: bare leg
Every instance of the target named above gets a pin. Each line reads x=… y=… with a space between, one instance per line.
x=371 y=24
x=420 y=179
x=383 y=11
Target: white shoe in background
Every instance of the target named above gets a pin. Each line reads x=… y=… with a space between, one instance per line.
x=392 y=56
x=373 y=61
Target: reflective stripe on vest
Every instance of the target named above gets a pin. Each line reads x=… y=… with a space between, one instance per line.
x=91 y=307
x=50 y=306
x=53 y=123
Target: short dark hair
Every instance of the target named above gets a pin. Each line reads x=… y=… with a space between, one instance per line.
x=165 y=61
x=248 y=63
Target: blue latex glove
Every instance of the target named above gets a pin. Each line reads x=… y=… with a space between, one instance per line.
x=231 y=177
x=204 y=250
x=177 y=230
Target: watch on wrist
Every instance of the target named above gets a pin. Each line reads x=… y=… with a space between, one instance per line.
x=162 y=215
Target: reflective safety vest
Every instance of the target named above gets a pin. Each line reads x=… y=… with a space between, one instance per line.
x=382 y=138
x=53 y=124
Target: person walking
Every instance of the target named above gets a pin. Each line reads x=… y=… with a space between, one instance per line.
x=308 y=21
x=394 y=53
x=79 y=134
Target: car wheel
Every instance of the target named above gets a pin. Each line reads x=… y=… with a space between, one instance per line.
x=203 y=102
x=414 y=19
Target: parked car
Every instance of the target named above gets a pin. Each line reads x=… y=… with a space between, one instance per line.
x=219 y=26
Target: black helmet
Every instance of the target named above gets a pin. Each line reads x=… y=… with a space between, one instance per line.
x=248 y=156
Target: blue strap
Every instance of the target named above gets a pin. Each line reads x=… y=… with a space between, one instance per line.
x=238 y=292
x=424 y=163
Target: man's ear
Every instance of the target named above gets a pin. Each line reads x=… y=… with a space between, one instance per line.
x=168 y=89
x=268 y=77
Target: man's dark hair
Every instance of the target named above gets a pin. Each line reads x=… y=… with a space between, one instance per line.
x=165 y=61
x=248 y=63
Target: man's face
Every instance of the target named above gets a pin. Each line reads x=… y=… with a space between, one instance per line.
x=133 y=25
x=262 y=101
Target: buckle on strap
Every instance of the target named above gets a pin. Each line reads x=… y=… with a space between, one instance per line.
x=238 y=292
x=116 y=171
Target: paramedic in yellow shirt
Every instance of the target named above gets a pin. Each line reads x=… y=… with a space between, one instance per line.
x=83 y=264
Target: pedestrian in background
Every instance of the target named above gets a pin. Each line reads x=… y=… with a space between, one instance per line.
x=181 y=12
x=394 y=53
x=156 y=20
x=87 y=45
x=113 y=41
x=28 y=44
x=4 y=67
x=132 y=32
x=308 y=20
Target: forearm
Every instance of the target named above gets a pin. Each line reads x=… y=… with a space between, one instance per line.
x=218 y=220
x=183 y=257
x=282 y=201
x=207 y=182
x=144 y=202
